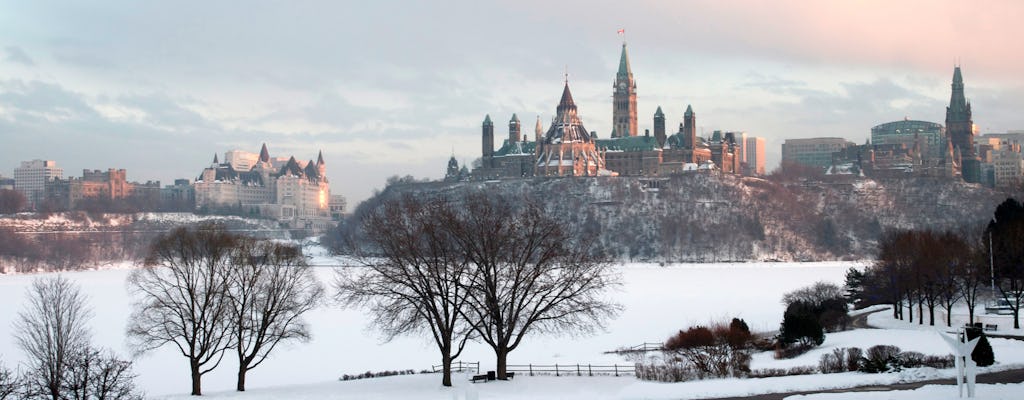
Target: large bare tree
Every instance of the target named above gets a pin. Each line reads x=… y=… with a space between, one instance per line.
x=49 y=330
x=180 y=297
x=530 y=273
x=414 y=274
x=270 y=287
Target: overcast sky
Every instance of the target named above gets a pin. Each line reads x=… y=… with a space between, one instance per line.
x=393 y=88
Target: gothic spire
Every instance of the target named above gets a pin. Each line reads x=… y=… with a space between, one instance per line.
x=566 y=103
x=658 y=113
x=689 y=111
x=515 y=118
x=957 y=102
x=320 y=158
x=264 y=154
x=624 y=70
x=487 y=120
x=215 y=162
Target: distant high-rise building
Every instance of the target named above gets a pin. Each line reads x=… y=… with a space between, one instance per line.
x=241 y=160
x=624 y=99
x=31 y=177
x=754 y=149
x=960 y=129
x=813 y=152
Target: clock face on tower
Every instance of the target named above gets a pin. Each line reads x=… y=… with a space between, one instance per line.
x=622 y=85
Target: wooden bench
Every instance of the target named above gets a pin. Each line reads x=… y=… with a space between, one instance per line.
x=479 y=378
x=991 y=327
x=510 y=375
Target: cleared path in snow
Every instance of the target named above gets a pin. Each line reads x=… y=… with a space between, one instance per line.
x=1009 y=376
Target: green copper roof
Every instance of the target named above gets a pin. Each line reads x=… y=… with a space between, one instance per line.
x=658 y=113
x=624 y=62
x=689 y=110
x=487 y=120
x=515 y=118
x=516 y=148
x=629 y=143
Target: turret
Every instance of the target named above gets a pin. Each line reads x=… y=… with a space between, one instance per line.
x=321 y=166
x=513 y=129
x=659 y=127
x=689 y=128
x=488 y=142
x=264 y=154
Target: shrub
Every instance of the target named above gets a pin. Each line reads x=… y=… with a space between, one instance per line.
x=910 y=359
x=880 y=358
x=774 y=372
x=800 y=325
x=945 y=361
x=982 y=354
x=786 y=352
x=719 y=350
x=853 y=356
x=371 y=374
x=833 y=362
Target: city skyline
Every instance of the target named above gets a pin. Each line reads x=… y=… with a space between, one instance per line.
x=392 y=89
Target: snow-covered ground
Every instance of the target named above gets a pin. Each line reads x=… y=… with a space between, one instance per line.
x=959 y=318
x=657 y=302
x=929 y=392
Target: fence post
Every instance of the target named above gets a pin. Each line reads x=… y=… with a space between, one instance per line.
x=590 y=372
x=578 y=370
x=556 y=370
x=616 y=369
x=531 y=369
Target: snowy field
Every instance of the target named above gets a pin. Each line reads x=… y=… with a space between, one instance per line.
x=658 y=301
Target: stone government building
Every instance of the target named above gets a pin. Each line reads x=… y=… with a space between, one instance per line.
x=295 y=193
x=566 y=148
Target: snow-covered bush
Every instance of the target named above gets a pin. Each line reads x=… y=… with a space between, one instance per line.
x=880 y=358
x=853 y=356
x=833 y=362
x=774 y=372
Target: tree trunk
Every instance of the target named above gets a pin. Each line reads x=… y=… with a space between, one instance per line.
x=910 y=308
x=446 y=365
x=970 y=313
x=240 y=386
x=896 y=314
x=931 y=314
x=197 y=385
x=920 y=313
x=502 y=359
x=949 y=316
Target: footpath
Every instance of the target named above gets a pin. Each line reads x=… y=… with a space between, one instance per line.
x=860 y=322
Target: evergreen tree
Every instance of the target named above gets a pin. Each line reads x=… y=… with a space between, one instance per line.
x=982 y=354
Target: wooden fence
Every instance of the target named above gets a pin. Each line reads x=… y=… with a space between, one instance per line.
x=459 y=366
x=572 y=369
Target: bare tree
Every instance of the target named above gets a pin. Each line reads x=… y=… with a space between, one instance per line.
x=11 y=201
x=181 y=300
x=99 y=375
x=414 y=275
x=972 y=274
x=270 y=287
x=529 y=274
x=49 y=330
x=9 y=383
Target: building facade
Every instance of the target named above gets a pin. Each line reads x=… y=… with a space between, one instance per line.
x=755 y=153
x=31 y=177
x=813 y=152
x=293 y=192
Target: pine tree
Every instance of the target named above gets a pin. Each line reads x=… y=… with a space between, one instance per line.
x=982 y=354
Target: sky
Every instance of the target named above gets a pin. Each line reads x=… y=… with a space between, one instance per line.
x=397 y=87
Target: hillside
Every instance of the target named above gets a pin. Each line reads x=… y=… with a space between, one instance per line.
x=710 y=218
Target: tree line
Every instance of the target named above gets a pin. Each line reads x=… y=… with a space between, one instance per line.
x=474 y=266
x=926 y=270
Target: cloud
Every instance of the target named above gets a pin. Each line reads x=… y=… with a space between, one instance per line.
x=16 y=55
